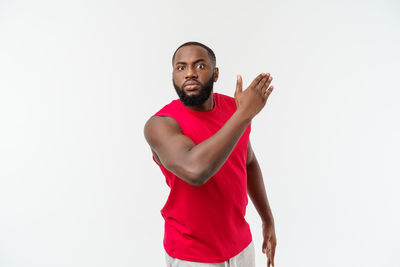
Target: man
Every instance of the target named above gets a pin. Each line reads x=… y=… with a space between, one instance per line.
x=201 y=144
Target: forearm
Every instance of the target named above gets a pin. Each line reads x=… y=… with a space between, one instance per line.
x=211 y=154
x=257 y=193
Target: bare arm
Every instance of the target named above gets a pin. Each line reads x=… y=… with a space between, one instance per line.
x=256 y=187
x=258 y=195
x=196 y=164
x=177 y=152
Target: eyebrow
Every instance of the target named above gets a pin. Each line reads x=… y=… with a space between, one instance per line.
x=184 y=63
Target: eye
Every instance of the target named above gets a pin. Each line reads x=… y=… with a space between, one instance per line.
x=201 y=66
x=179 y=68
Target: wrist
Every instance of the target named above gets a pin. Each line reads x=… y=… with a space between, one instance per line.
x=268 y=220
x=244 y=115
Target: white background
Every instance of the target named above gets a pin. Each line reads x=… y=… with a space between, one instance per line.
x=78 y=80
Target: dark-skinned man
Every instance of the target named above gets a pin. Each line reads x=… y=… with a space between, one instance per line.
x=201 y=144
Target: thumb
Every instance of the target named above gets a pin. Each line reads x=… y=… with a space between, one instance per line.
x=239 y=85
x=264 y=247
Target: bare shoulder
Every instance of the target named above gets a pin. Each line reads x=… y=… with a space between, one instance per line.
x=157 y=128
x=167 y=142
x=160 y=123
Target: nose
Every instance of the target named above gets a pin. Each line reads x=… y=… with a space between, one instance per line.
x=191 y=73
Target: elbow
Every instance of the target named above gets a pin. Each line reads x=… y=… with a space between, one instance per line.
x=196 y=176
x=193 y=174
x=196 y=182
x=196 y=179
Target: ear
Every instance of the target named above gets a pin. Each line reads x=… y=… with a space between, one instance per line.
x=216 y=74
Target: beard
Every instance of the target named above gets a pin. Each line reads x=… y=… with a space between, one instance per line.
x=198 y=99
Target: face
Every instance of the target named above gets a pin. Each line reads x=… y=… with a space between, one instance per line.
x=193 y=75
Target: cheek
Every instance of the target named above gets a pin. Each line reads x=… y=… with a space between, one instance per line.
x=207 y=77
x=178 y=80
x=177 y=77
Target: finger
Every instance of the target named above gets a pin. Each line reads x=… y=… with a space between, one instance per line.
x=261 y=84
x=273 y=256
x=270 y=257
x=268 y=262
x=270 y=252
x=266 y=84
x=268 y=91
x=264 y=248
x=257 y=80
x=270 y=78
x=239 y=84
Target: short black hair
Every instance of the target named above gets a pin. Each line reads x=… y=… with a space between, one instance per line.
x=209 y=51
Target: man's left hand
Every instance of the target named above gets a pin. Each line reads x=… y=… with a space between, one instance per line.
x=269 y=244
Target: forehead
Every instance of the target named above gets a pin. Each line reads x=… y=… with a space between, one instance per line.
x=191 y=53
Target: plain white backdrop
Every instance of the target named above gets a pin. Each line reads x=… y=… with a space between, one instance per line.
x=78 y=80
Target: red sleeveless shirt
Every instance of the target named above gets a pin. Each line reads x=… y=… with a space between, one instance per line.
x=206 y=223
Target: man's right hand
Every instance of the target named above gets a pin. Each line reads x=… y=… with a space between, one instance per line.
x=252 y=100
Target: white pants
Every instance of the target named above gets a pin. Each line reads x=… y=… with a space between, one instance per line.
x=244 y=259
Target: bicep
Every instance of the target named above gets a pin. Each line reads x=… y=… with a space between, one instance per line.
x=171 y=146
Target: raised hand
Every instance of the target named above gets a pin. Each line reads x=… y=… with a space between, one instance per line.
x=254 y=98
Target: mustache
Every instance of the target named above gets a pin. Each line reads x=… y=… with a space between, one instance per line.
x=191 y=82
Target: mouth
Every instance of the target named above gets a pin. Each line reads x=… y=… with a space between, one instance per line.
x=191 y=87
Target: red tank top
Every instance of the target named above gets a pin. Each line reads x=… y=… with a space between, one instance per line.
x=206 y=223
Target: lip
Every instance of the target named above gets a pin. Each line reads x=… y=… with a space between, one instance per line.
x=191 y=83
x=191 y=87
